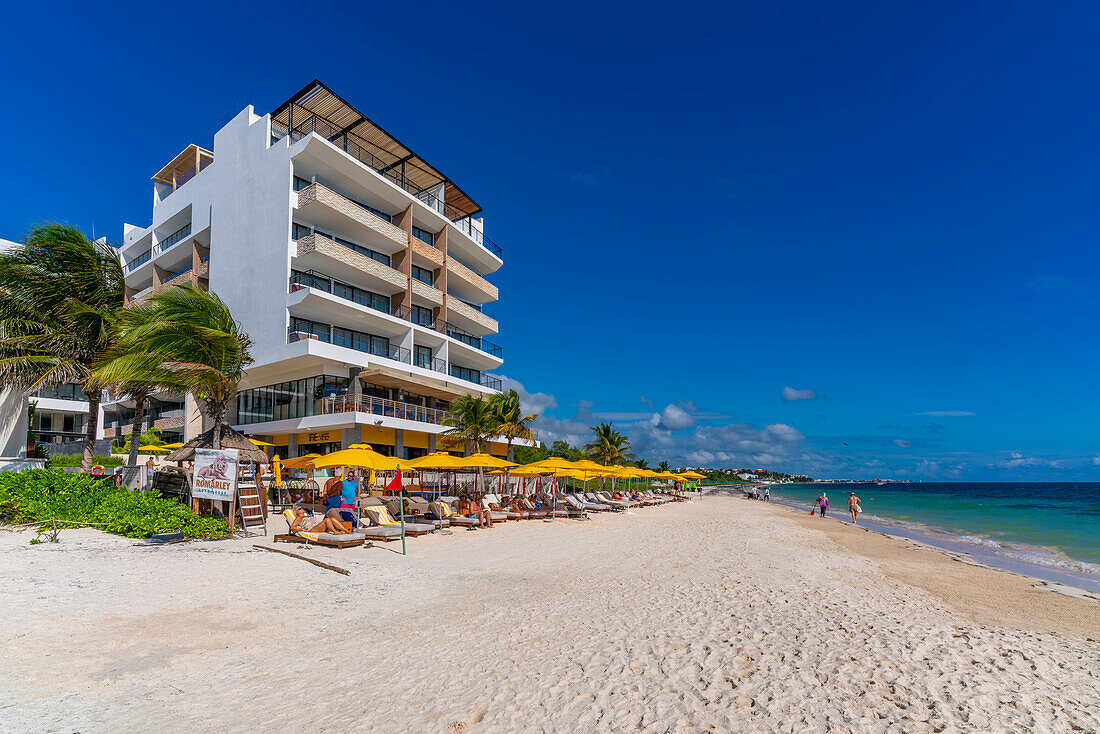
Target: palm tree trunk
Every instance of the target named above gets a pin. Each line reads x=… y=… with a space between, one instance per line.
x=93 y=428
x=135 y=427
x=511 y=451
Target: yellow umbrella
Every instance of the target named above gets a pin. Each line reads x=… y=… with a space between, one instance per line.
x=439 y=460
x=525 y=471
x=173 y=446
x=260 y=443
x=153 y=449
x=302 y=462
x=277 y=468
x=359 y=458
x=488 y=460
x=554 y=462
x=692 y=474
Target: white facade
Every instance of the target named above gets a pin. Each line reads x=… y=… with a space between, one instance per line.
x=310 y=248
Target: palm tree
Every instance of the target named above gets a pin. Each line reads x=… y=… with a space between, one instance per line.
x=664 y=466
x=641 y=464
x=142 y=374
x=185 y=340
x=511 y=422
x=608 y=446
x=60 y=295
x=473 y=420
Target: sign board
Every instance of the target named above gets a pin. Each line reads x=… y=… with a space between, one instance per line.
x=319 y=437
x=215 y=474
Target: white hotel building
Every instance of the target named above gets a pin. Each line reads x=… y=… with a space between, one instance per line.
x=358 y=269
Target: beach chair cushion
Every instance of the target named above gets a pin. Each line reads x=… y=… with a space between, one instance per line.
x=379 y=515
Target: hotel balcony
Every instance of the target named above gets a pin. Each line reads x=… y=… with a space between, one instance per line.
x=329 y=254
x=184 y=167
x=427 y=293
x=328 y=209
x=381 y=406
x=468 y=284
x=469 y=318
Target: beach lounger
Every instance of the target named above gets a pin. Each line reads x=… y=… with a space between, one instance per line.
x=491 y=500
x=606 y=499
x=333 y=540
x=581 y=504
x=614 y=505
x=563 y=509
x=532 y=511
x=380 y=518
x=444 y=509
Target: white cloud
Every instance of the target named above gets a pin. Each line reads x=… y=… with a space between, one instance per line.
x=790 y=393
x=674 y=417
x=538 y=402
x=901 y=443
x=947 y=413
x=1096 y=460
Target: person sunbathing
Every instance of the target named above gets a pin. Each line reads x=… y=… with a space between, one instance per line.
x=473 y=508
x=306 y=523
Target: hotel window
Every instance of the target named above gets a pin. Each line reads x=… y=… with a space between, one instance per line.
x=421 y=315
x=465 y=373
x=45 y=422
x=298 y=231
x=294 y=399
x=423 y=275
x=424 y=235
x=423 y=356
x=68 y=423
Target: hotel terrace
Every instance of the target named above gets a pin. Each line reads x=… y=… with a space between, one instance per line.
x=358 y=269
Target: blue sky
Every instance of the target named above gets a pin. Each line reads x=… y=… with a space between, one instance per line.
x=889 y=208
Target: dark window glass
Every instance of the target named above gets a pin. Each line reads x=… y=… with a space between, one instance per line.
x=423 y=275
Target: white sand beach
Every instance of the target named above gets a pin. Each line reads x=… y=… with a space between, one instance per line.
x=719 y=615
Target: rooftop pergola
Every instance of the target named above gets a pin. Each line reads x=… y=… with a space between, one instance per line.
x=318 y=109
x=184 y=166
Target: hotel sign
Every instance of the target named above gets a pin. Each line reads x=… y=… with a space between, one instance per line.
x=215 y=474
x=319 y=437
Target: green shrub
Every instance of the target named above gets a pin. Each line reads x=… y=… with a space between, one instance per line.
x=74 y=460
x=40 y=494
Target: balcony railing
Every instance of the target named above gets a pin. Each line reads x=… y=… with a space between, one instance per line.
x=348 y=143
x=322 y=282
x=431 y=363
x=476 y=342
x=381 y=406
x=493 y=383
x=178 y=273
x=138 y=261
x=405 y=313
x=173 y=238
x=349 y=339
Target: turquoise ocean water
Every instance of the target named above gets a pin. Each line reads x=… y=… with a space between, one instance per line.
x=1026 y=527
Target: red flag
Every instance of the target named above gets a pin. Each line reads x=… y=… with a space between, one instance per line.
x=395 y=484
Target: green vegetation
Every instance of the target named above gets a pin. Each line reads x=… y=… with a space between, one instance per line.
x=608 y=446
x=732 y=476
x=60 y=296
x=75 y=459
x=152 y=437
x=40 y=495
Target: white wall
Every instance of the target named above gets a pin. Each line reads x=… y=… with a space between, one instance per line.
x=250 y=230
x=13 y=423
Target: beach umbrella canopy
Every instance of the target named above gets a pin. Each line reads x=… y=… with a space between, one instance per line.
x=260 y=443
x=172 y=446
x=692 y=474
x=302 y=462
x=666 y=475
x=153 y=449
x=554 y=462
x=439 y=460
x=488 y=460
x=359 y=458
x=525 y=471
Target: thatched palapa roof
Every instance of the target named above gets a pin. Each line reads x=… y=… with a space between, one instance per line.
x=231 y=439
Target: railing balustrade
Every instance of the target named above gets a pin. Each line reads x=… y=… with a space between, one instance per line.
x=381 y=406
x=138 y=261
x=173 y=238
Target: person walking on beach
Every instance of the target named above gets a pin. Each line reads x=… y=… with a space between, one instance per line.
x=767 y=494
x=853 y=507
x=822 y=504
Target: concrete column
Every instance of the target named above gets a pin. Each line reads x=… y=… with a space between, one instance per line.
x=431 y=443
x=399 y=443
x=403 y=260
x=441 y=278
x=348 y=436
x=192 y=418
x=292 y=446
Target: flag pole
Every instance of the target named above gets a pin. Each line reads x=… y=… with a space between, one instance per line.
x=401 y=500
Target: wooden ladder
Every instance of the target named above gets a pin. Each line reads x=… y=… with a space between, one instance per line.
x=248 y=497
